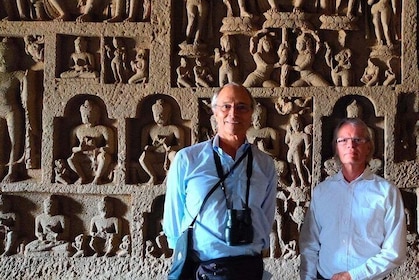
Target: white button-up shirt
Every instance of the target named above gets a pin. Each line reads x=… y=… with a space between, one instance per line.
x=357 y=227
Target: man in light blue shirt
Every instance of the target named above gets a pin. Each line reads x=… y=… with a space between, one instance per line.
x=355 y=227
x=193 y=173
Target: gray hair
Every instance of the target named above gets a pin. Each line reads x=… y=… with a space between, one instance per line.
x=215 y=96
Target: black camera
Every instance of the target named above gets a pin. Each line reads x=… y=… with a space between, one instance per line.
x=239 y=229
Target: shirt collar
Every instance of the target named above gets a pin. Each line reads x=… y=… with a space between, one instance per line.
x=366 y=175
x=216 y=146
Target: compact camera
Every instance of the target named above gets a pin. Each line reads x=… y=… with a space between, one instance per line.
x=239 y=230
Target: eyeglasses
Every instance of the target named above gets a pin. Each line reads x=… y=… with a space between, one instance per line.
x=240 y=108
x=355 y=140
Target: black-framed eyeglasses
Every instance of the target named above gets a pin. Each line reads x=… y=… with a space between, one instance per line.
x=240 y=108
x=354 y=140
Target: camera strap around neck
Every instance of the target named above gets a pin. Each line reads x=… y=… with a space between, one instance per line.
x=224 y=176
x=248 y=173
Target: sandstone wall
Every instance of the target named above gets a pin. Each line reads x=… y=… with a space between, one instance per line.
x=55 y=80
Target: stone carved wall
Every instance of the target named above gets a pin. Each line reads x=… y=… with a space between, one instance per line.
x=307 y=67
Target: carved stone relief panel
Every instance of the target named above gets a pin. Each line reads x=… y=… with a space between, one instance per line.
x=80 y=11
x=155 y=137
x=21 y=76
x=124 y=62
x=353 y=106
x=78 y=57
x=288 y=45
x=85 y=146
x=155 y=245
x=59 y=225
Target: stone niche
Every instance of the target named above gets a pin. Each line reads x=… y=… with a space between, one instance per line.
x=82 y=151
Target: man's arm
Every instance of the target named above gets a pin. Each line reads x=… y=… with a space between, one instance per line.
x=174 y=204
x=394 y=246
x=309 y=245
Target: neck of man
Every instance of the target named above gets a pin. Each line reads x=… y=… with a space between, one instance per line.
x=231 y=143
x=352 y=171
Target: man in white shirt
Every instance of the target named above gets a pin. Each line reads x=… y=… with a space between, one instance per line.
x=355 y=227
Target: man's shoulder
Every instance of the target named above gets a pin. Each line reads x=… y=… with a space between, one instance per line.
x=195 y=147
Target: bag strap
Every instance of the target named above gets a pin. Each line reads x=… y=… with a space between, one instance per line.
x=248 y=173
x=219 y=183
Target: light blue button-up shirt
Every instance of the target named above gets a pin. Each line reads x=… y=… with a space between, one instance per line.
x=191 y=176
x=357 y=227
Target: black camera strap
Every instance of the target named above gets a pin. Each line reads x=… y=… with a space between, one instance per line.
x=249 y=170
x=224 y=176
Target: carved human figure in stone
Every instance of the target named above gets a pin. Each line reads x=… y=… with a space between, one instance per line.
x=264 y=56
x=370 y=76
x=34 y=46
x=306 y=49
x=93 y=10
x=79 y=246
x=55 y=9
x=389 y=74
x=124 y=247
x=228 y=58
x=105 y=230
x=197 y=20
x=265 y=138
x=62 y=174
x=11 y=111
x=134 y=7
x=140 y=68
x=184 y=74
x=82 y=63
x=298 y=5
x=382 y=12
x=15 y=10
x=9 y=227
x=51 y=230
x=242 y=7
x=290 y=250
x=340 y=66
x=283 y=64
x=202 y=73
x=93 y=146
x=299 y=146
x=161 y=141
x=118 y=59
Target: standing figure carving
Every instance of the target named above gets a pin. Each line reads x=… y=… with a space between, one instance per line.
x=118 y=59
x=161 y=141
x=93 y=146
x=228 y=58
x=197 y=19
x=383 y=11
x=51 y=230
x=105 y=230
x=11 y=111
x=298 y=155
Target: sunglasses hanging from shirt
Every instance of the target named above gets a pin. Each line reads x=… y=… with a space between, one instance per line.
x=239 y=229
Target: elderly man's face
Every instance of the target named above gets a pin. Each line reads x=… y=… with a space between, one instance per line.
x=233 y=111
